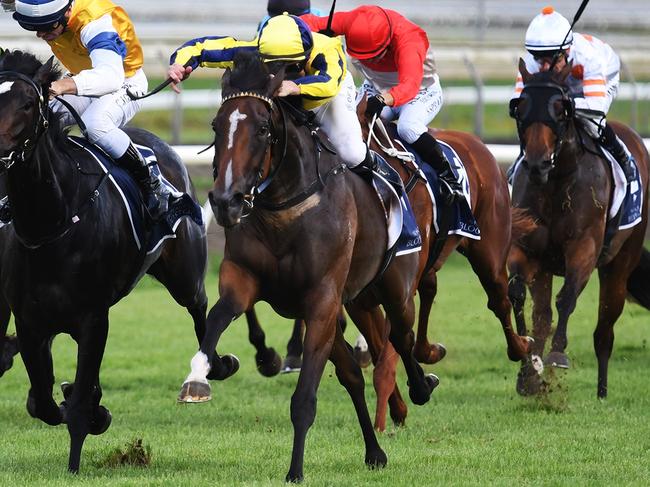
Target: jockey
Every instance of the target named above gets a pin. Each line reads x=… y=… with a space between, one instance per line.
x=292 y=7
x=394 y=56
x=95 y=40
x=325 y=86
x=593 y=81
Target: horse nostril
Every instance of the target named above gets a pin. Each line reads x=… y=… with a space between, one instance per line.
x=236 y=200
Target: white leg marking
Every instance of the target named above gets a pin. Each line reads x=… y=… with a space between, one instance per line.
x=6 y=86
x=200 y=368
x=361 y=344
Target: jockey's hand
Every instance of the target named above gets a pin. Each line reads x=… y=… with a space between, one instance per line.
x=178 y=73
x=288 y=88
x=63 y=86
x=375 y=105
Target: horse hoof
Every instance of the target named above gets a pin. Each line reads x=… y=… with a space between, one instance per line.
x=268 y=362
x=421 y=396
x=195 y=392
x=376 y=459
x=557 y=359
x=294 y=478
x=66 y=389
x=292 y=363
x=432 y=354
x=529 y=381
x=362 y=357
x=229 y=366
x=101 y=421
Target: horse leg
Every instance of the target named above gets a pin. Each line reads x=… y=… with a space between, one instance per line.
x=319 y=338
x=8 y=344
x=519 y=267
x=579 y=264
x=37 y=357
x=374 y=328
x=238 y=291
x=267 y=359
x=83 y=414
x=293 y=360
x=489 y=264
x=424 y=351
x=350 y=376
x=613 y=289
x=529 y=378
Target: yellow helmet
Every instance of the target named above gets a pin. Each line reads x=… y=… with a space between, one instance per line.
x=285 y=38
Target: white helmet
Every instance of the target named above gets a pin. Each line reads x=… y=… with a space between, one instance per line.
x=548 y=32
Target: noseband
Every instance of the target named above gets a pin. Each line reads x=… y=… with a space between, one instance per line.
x=41 y=123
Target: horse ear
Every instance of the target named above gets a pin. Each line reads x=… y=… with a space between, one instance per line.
x=225 y=80
x=525 y=75
x=275 y=80
x=44 y=75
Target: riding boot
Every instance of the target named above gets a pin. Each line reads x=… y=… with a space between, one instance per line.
x=616 y=148
x=154 y=192
x=366 y=167
x=429 y=149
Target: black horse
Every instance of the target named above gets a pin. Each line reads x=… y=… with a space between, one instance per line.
x=313 y=239
x=69 y=254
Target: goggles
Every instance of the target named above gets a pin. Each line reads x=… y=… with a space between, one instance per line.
x=49 y=27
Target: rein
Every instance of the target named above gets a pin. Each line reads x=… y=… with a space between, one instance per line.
x=256 y=196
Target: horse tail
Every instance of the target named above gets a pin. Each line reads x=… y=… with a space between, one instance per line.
x=522 y=223
x=638 y=283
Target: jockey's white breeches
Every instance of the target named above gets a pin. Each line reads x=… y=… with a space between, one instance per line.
x=338 y=118
x=105 y=115
x=412 y=117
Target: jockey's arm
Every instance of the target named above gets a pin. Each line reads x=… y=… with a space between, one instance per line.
x=324 y=72
x=410 y=70
x=107 y=52
x=594 y=88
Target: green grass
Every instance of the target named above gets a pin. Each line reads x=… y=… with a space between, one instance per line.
x=475 y=430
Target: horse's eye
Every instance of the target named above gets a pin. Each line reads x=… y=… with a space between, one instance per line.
x=263 y=130
x=27 y=106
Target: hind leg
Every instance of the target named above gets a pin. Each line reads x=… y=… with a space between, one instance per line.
x=36 y=355
x=267 y=359
x=374 y=328
x=519 y=268
x=488 y=259
x=293 y=360
x=424 y=351
x=350 y=376
x=613 y=279
x=8 y=344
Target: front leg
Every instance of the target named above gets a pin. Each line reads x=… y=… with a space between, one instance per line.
x=238 y=290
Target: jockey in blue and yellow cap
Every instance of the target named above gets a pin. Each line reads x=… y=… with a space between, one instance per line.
x=323 y=82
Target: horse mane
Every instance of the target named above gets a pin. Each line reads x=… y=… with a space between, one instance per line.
x=28 y=64
x=249 y=73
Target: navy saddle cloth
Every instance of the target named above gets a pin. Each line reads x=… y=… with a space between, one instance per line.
x=144 y=234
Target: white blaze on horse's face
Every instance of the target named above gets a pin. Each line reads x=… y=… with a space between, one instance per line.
x=6 y=86
x=234 y=119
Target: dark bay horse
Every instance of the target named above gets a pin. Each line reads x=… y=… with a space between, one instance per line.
x=565 y=185
x=69 y=254
x=305 y=235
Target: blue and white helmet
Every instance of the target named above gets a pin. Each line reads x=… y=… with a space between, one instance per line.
x=548 y=31
x=40 y=15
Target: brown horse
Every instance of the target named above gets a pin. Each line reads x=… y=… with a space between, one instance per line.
x=490 y=203
x=305 y=235
x=565 y=185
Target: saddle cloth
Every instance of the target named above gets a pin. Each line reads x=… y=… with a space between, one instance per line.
x=144 y=234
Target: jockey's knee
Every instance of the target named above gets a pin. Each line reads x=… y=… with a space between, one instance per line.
x=408 y=131
x=352 y=153
x=113 y=141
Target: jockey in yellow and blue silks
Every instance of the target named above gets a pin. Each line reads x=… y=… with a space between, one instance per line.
x=96 y=41
x=324 y=84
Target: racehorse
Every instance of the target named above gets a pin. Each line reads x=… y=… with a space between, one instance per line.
x=490 y=204
x=69 y=254
x=565 y=185
x=305 y=235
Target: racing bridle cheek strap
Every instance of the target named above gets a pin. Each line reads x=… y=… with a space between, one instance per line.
x=40 y=122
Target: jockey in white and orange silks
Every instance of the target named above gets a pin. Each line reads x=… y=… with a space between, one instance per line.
x=593 y=81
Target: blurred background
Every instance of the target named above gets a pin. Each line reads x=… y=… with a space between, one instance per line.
x=477 y=44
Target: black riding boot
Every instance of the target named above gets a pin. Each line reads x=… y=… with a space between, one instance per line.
x=154 y=193
x=616 y=148
x=431 y=152
x=366 y=167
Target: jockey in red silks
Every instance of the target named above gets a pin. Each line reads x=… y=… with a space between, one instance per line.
x=394 y=56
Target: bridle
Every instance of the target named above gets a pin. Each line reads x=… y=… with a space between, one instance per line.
x=41 y=123
x=541 y=109
x=254 y=195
